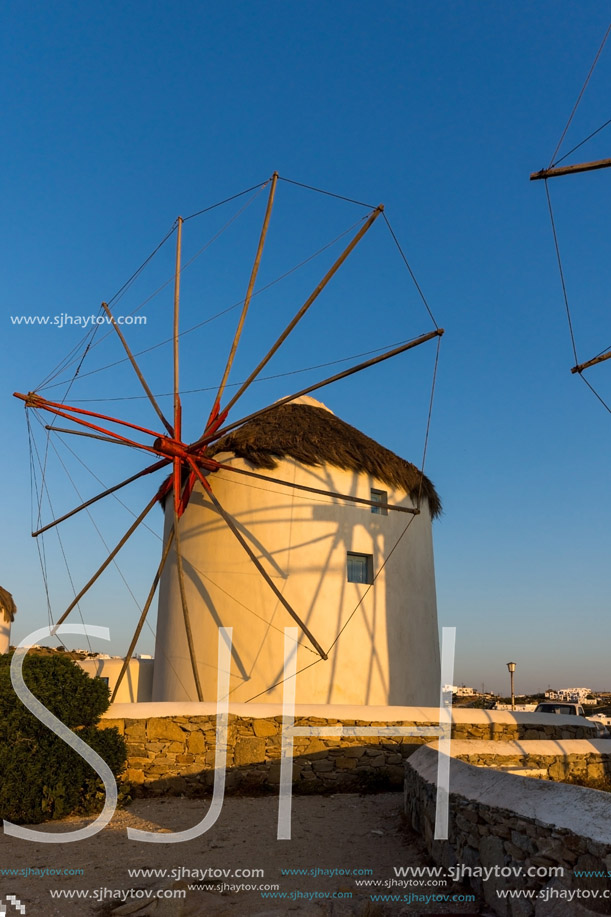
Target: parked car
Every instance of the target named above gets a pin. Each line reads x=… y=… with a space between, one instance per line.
x=602 y=731
x=560 y=707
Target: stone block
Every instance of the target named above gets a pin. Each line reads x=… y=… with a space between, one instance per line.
x=322 y=766
x=516 y=853
x=264 y=728
x=165 y=728
x=136 y=750
x=523 y=842
x=558 y=770
x=196 y=744
x=356 y=751
x=345 y=763
x=249 y=751
x=138 y=762
x=492 y=852
x=314 y=746
x=176 y=748
x=134 y=775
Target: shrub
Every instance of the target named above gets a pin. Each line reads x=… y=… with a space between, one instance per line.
x=42 y=777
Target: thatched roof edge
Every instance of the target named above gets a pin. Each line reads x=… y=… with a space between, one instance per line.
x=314 y=436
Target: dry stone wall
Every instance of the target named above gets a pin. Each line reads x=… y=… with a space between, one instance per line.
x=590 y=765
x=175 y=754
x=552 y=836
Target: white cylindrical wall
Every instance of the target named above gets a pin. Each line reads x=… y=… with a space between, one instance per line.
x=387 y=650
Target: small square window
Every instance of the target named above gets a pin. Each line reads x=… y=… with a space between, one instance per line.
x=359 y=568
x=379 y=496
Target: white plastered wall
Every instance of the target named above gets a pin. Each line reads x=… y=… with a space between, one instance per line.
x=387 y=652
x=136 y=686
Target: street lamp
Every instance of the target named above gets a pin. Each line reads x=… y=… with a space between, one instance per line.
x=512 y=667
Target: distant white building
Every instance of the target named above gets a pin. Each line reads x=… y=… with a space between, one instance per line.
x=519 y=708
x=7 y=615
x=137 y=684
x=569 y=695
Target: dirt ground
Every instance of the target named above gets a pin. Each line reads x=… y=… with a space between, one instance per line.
x=347 y=832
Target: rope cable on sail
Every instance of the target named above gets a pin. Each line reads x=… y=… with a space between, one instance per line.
x=156 y=292
x=40 y=544
x=579 y=97
x=227 y=200
x=566 y=303
x=54 y=373
x=45 y=490
x=115 y=564
x=593 y=390
x=96 y=527
x=560 y=268
x=339 y=197
x=101 y=482
x=210 y=388
x=411 y=273
x=584 y=141
x=207 y=321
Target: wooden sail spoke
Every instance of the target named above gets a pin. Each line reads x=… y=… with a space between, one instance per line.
x=231 y=524
x=33 y=400
x=245 y=307
x=312 y=388
x=176 y=475
x=570 y=170
x=313 y=296
x=600 y=359
x=120 y=440
x=144 y=613
x=137 y=370
x=105 y=493
x=104 y=439
x=108 y=560
x=175 y=335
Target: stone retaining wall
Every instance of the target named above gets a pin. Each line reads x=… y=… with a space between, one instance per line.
x=175 y=754
x=505 y=823
x=558 y=761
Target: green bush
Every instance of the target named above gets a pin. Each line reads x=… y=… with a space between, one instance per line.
x=42 y=777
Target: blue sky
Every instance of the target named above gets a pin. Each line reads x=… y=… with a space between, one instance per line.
x=119 y=117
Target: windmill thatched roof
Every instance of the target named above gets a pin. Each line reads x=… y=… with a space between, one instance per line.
x=7 y=606
x=314 y=436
